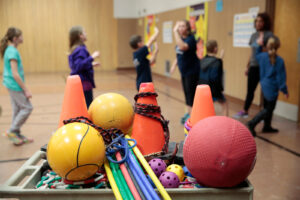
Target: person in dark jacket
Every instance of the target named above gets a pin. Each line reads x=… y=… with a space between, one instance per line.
x=81 y=62
x=211 y=73
x=272 y=80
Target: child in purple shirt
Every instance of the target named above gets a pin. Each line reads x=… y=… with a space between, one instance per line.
x=81 y=62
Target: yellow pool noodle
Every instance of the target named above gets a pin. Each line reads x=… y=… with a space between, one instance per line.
x=112 y=181
x=148 y=169
x=185 y=131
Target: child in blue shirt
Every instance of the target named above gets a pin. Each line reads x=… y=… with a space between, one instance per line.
x=14 y=81
x=81 y=62
x=272 y=80
x=211 y=73
x=140 y=61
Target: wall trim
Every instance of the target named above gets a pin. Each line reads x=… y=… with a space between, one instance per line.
x=287 y=110
x=125 y=68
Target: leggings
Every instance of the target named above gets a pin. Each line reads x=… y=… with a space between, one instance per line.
x=189 y=84
x=253 y=80
x=21 y=110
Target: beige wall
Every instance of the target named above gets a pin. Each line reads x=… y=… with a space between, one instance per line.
x=126 y=28
x=287 y=28
x=46 y=23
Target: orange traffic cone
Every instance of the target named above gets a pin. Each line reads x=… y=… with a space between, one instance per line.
x=148 y=132
x=203 y=105
x=74 y=104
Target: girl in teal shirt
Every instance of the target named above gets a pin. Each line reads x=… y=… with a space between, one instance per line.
x=13 y=80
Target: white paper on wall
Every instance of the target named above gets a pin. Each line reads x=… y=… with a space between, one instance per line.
x=243 y=27
x=167 y=32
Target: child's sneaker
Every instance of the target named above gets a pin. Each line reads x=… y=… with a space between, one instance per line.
x=25 y=139
x=14 y=138
x=185 y=117
x=240 y=114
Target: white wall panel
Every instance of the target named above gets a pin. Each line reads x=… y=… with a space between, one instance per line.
x=141 y=8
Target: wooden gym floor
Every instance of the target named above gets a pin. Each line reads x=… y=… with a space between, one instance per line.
x=277 y=171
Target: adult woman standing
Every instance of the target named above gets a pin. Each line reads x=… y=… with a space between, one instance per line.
x=187 y=61
x=262 y=25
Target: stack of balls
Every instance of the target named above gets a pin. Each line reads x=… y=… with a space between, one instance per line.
x=171 y=176
x=76 y=151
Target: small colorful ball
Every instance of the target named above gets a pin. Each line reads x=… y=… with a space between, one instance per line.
x=177 y=169
x=169 y=180
x=158 y=166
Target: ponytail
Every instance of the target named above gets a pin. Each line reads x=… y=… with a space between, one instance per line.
x=3 y=45
x=9 y=36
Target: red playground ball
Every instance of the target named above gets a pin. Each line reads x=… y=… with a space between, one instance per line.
x=219 y=152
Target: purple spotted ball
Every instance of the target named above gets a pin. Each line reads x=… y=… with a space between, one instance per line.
x=169 y=180
x=158 y=166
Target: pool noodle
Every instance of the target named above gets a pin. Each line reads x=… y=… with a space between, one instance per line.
x=118 y=181
x=128 y=178
x=133 y=165
x=150 y=172
x=112 y=181
x=135 y=182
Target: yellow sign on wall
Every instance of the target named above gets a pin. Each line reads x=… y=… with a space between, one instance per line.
x=149 y=31
x=197 y=16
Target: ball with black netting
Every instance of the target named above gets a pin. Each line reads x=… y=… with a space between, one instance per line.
x=112 y=110
x=219 y=152
x=76 y=151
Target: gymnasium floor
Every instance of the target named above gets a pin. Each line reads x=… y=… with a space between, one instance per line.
x=275 y=176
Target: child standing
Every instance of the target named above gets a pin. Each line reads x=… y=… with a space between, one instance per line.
x=211 y=73
x=272 y=80
x=81 y=63
x=187 y=61
x=140 y=61
x=13 y=80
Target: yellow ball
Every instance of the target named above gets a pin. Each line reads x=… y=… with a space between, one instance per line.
x=76 y=151
x=177 y=169
x=112 y=110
